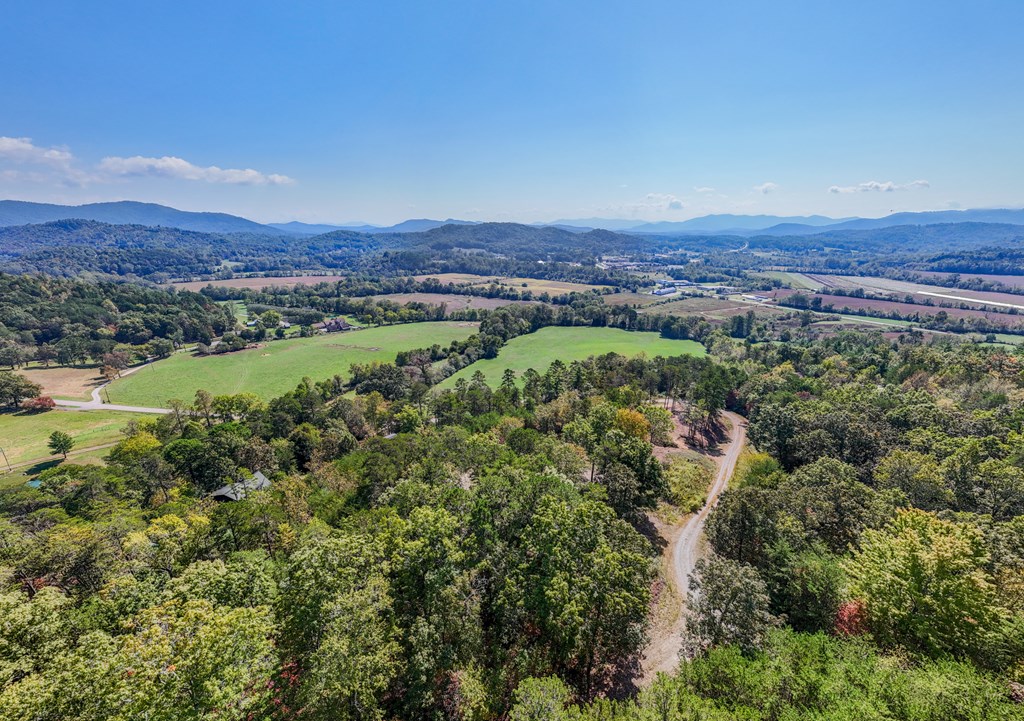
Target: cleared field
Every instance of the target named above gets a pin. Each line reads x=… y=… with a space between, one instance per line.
x=289 y=281
x=23 y=436
x=58 y=382
x=1013 y=281
x=451 y=301
x=920 y=311
x=799 y=281
x=938 y=292
x=457 y=278
x=538 y=350
x=552 y=287
x=630 y=298
x=278 y=366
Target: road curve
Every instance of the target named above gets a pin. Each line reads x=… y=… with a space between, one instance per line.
x=97 y=401
x=665 y=645
x=687 y=545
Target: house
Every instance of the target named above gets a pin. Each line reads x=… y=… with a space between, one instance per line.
x=334 y=325
x=240 y=489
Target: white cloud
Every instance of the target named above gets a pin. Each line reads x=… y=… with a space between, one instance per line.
x=171 y=167
x=874 y=186
x=704 y=189
x=765 y=188
x=48 y=163
x=23 y=150
x=664 y=201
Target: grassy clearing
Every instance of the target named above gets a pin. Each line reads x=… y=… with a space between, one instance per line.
x=277 y=366
x=798 y=281
x=23 y=436
x=538 y=350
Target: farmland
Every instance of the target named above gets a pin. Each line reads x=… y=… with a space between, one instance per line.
x=63 y=382
x=451 y=301
x=276 y=367
x=538 y=350
x=534 y=285
x=909 y=309
x=1012 y=281
x=24 y=436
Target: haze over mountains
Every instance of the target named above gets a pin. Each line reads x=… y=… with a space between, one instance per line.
x=14 y=212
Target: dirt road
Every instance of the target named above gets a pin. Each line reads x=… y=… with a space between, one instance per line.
x=684 y=550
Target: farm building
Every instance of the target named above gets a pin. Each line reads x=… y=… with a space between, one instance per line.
x=334 y=325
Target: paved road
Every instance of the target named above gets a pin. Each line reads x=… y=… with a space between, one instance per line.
x=97 y=402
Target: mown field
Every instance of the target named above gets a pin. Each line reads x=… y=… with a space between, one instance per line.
x=24 y=436
x=539 y=350
x=277 y=366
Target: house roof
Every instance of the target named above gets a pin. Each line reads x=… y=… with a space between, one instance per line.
x=239 y=490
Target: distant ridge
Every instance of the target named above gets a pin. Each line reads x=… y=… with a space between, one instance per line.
x=296 y=227
x=129 y=212
x=418 y=225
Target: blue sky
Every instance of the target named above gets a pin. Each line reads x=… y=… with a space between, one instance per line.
x=526 y=111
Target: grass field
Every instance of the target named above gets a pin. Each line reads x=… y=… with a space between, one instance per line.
x=23 y=436
x=538 y=350
x=793 y=280
x=277 y=366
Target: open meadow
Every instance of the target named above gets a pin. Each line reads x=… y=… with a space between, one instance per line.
x=277 y=366
x=23 y=436
x=540 y=349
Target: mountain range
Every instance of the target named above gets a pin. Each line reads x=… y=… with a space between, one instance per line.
x=16 y=212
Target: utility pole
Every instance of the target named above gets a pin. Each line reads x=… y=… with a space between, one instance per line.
x=9 y=469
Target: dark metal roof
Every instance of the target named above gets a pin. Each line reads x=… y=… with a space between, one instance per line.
x=241 y=489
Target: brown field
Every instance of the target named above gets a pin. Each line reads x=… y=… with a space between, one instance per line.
x=452 y=302
x=59 y=382
x=257 y=283
x=457 y=278
x=1013 y=281
x=922 y=311
x=552 y=287
x=631 y=298
x=938 y=293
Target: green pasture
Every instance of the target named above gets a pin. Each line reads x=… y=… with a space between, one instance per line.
x=277 y=366
x=538 y=350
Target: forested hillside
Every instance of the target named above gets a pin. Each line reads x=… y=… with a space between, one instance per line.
x=481 y=552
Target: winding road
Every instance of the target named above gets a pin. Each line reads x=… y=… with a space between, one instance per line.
x=97 y=402
x=684 y=550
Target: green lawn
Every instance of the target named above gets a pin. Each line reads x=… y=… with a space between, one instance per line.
x=23 y=436
x=277 y=366
x=538 y=350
